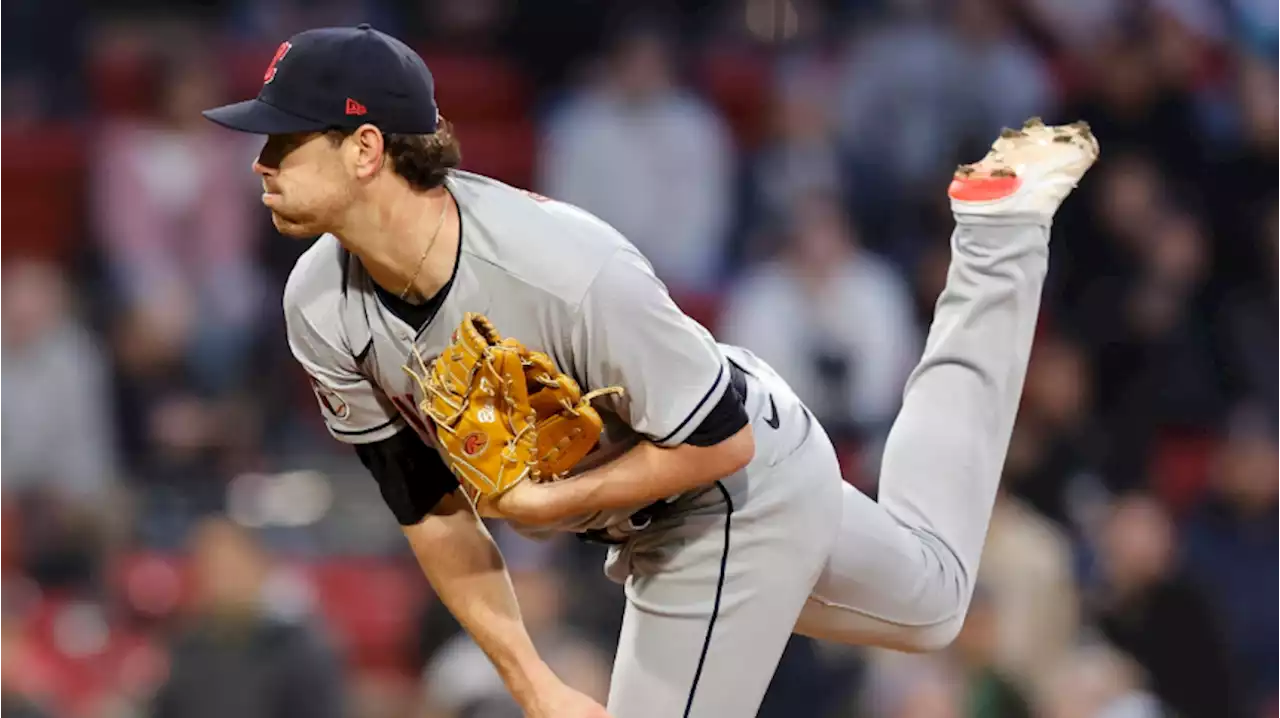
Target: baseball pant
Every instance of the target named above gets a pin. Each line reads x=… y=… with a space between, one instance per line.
x=716 y=586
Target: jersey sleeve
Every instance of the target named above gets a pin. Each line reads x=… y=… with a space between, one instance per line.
x=630 y=333
x=354 y=410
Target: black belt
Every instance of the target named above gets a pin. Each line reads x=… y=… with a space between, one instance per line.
x=642 y=518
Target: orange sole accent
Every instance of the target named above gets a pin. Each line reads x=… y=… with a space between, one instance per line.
x=980 y=188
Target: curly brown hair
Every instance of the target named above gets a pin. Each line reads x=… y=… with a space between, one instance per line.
x=422 y=160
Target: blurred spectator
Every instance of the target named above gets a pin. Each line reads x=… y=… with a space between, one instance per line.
x=272 y=21
x=992 y=694
x=1107 y=226
x=1149 y=609
x=468 y=25
x=833 y=319
x=236 y=656
x=44 y=58
x=801 y=157
x=172 y=199
x=59 y=459
x=1128 y=101
x=1148 y=328
x=56 y=414
x=1049 y=464
x=1076 y=25
x=27 y=689
x=1231 y=548
x=911 y=686
x=1096 y=681
x=461 y=682
x=1243 y=192
x=1029 y=615
x=1257 y=25
x=173 y=205
x=915 y=92
x=1249 y=353
x=649 y=157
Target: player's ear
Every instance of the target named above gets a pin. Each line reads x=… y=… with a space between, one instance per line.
x=367 y=151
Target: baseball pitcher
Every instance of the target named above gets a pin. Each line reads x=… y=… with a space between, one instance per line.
x=491 y=352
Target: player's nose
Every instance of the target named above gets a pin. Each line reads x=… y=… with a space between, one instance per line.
x=261 y=169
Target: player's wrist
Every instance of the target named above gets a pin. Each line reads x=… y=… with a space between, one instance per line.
x=529 y=678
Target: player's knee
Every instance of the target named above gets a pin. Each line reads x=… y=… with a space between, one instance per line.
x=950 y=612
x=950 y=606
x=934 y=637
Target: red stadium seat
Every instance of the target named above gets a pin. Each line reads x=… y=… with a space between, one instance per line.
x=1180 y=468
x=244 y=65
x=738 y=84
x=44 y=191
x=703 y=308
x=470 y=88
x=503 y=150
x=473 y=88
x=122 y=82
x=373 y=606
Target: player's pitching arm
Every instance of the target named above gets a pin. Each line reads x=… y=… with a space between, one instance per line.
x=677 y=393
x=466 y=570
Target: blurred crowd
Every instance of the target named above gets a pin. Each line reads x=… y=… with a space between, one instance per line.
x=182 y=538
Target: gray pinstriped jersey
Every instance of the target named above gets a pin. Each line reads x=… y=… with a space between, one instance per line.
x=547 y=273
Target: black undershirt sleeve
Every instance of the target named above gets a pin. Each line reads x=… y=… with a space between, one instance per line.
x=727 y=418
x=411 y=475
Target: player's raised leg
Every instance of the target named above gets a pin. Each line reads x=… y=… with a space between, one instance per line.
x=903 y=570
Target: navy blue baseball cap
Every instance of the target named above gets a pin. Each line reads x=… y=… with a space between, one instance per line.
x=338 y=78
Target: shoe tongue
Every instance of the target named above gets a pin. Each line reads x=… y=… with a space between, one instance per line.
x=477 y=334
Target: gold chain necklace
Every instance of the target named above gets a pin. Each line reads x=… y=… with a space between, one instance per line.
x=444 y=207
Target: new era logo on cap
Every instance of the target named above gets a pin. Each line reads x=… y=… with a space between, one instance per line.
x=325 y=70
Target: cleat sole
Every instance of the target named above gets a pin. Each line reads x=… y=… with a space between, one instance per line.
x=984 y=188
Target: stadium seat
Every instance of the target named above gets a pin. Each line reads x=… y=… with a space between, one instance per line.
x=373 y=606
x=122 y=82
x=244 y=64
x=44 y=191
x=502 y=149
x=1180 y=467
x=703 y=307
x=738 y=85
x=474 y=88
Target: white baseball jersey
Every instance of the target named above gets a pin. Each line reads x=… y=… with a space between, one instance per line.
x=544 y=272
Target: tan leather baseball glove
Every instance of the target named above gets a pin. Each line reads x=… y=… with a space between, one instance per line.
x=504 y=413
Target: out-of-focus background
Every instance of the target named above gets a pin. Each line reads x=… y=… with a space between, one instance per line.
x=181 y=537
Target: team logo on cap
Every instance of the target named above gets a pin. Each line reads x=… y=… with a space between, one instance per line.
x=271 y=69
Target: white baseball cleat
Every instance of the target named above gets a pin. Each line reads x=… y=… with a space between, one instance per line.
x=1027 y=171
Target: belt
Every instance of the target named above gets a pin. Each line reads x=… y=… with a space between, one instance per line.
x=641 y=519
